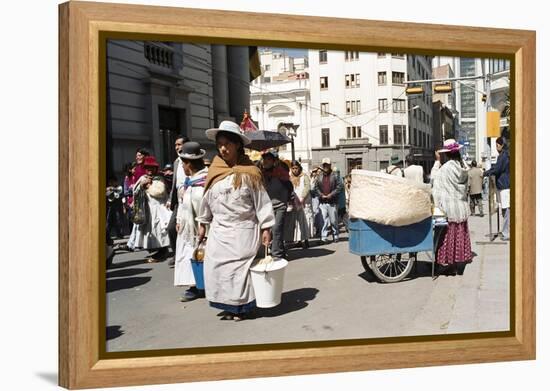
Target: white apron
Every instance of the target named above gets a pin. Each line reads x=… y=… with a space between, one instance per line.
x=235 y=217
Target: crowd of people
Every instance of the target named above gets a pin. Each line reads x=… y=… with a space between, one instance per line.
x=231 y=206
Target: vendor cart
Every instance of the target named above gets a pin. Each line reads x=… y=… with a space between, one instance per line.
x=390 y=251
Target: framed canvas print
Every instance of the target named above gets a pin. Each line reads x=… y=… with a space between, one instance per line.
x=240 y=200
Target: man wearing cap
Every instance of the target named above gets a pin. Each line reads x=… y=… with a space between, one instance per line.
x=394 y=167
x=501 y=171
x=328 y=187
x=279 y=188
x=178 y=177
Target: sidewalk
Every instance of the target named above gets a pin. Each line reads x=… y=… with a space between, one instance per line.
x=480 y=299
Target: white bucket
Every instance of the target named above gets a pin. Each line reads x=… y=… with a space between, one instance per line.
x=267 y=281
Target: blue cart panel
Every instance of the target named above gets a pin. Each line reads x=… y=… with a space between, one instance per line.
x=369 y=238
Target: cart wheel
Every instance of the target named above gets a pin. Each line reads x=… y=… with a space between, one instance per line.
x=365 y=263
x=392 y=267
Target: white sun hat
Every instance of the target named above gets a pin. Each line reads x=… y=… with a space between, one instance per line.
x=450 y=145
x=229 y=127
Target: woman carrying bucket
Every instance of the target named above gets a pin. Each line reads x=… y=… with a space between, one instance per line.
x=190 y=195
x=240 y=215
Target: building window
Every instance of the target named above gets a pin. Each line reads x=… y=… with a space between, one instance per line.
x=325 y=137
x=467 y=67
x=324 y=82
x=398 y=77
x=268 y=67
x=383 y=134
x=381 y=54
x=353 y=131
x=415 y=139
x=352 y=55
x=324 y=109
x=399 y=135
x=398 y=105
x=498 y=65
x=353 y=107
x=382 y=78
x=397 y=55
x=352 y=80
x=323 y=56
x=467 y=101
x=267 y=79
x=429 y=141
x=382 y=105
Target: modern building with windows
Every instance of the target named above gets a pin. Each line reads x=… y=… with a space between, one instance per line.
x=474 y=98
x=360 y=114
x=157 y=90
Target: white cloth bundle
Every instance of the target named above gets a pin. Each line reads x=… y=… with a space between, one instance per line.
x=388 y=199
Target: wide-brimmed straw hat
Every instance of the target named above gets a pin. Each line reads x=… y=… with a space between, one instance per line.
x=191 y=150
x=450 y=145
x=229 y=127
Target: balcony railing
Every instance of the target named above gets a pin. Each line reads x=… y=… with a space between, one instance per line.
x=159 y=54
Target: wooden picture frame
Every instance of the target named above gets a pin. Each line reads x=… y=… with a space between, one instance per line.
x=83 y=25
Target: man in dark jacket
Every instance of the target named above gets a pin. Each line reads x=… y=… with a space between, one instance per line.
x=328 y=187
x=501 y=172
x=279 y=188
x=178 y=177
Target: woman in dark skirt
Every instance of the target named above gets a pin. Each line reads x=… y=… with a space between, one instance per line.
x=450 y=193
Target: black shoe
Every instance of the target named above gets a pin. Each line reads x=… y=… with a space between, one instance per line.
x=172 y=261
x=192 y=294
x=305 y=244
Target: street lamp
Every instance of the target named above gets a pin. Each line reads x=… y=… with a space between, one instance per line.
x=291 y=131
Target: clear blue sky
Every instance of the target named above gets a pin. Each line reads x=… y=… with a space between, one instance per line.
x=289 y=52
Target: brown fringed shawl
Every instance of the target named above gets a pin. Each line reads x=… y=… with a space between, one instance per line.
x=244 y=169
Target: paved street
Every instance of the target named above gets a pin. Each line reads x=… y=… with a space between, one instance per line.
x=327 y=296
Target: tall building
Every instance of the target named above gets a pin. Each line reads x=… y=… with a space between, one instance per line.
x=474 y=98
x=360 y=114
x=157 y=90
x=281 y=95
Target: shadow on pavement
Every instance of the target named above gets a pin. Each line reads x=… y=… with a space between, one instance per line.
x=127 y=272
x=126 y=283
x=290 y=302
x=113 y=332
x=119 y=265
x=309 y=253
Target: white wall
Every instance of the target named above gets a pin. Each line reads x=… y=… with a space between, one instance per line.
x=29 y=287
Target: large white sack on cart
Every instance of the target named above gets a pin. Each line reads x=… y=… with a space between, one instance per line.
x=388 y=199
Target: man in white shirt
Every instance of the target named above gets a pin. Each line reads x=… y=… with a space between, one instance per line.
x=413 y=171
x=172 y=204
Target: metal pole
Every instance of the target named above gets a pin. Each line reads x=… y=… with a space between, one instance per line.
x=292 y=146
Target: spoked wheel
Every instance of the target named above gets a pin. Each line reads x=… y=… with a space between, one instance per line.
x=391 y=267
